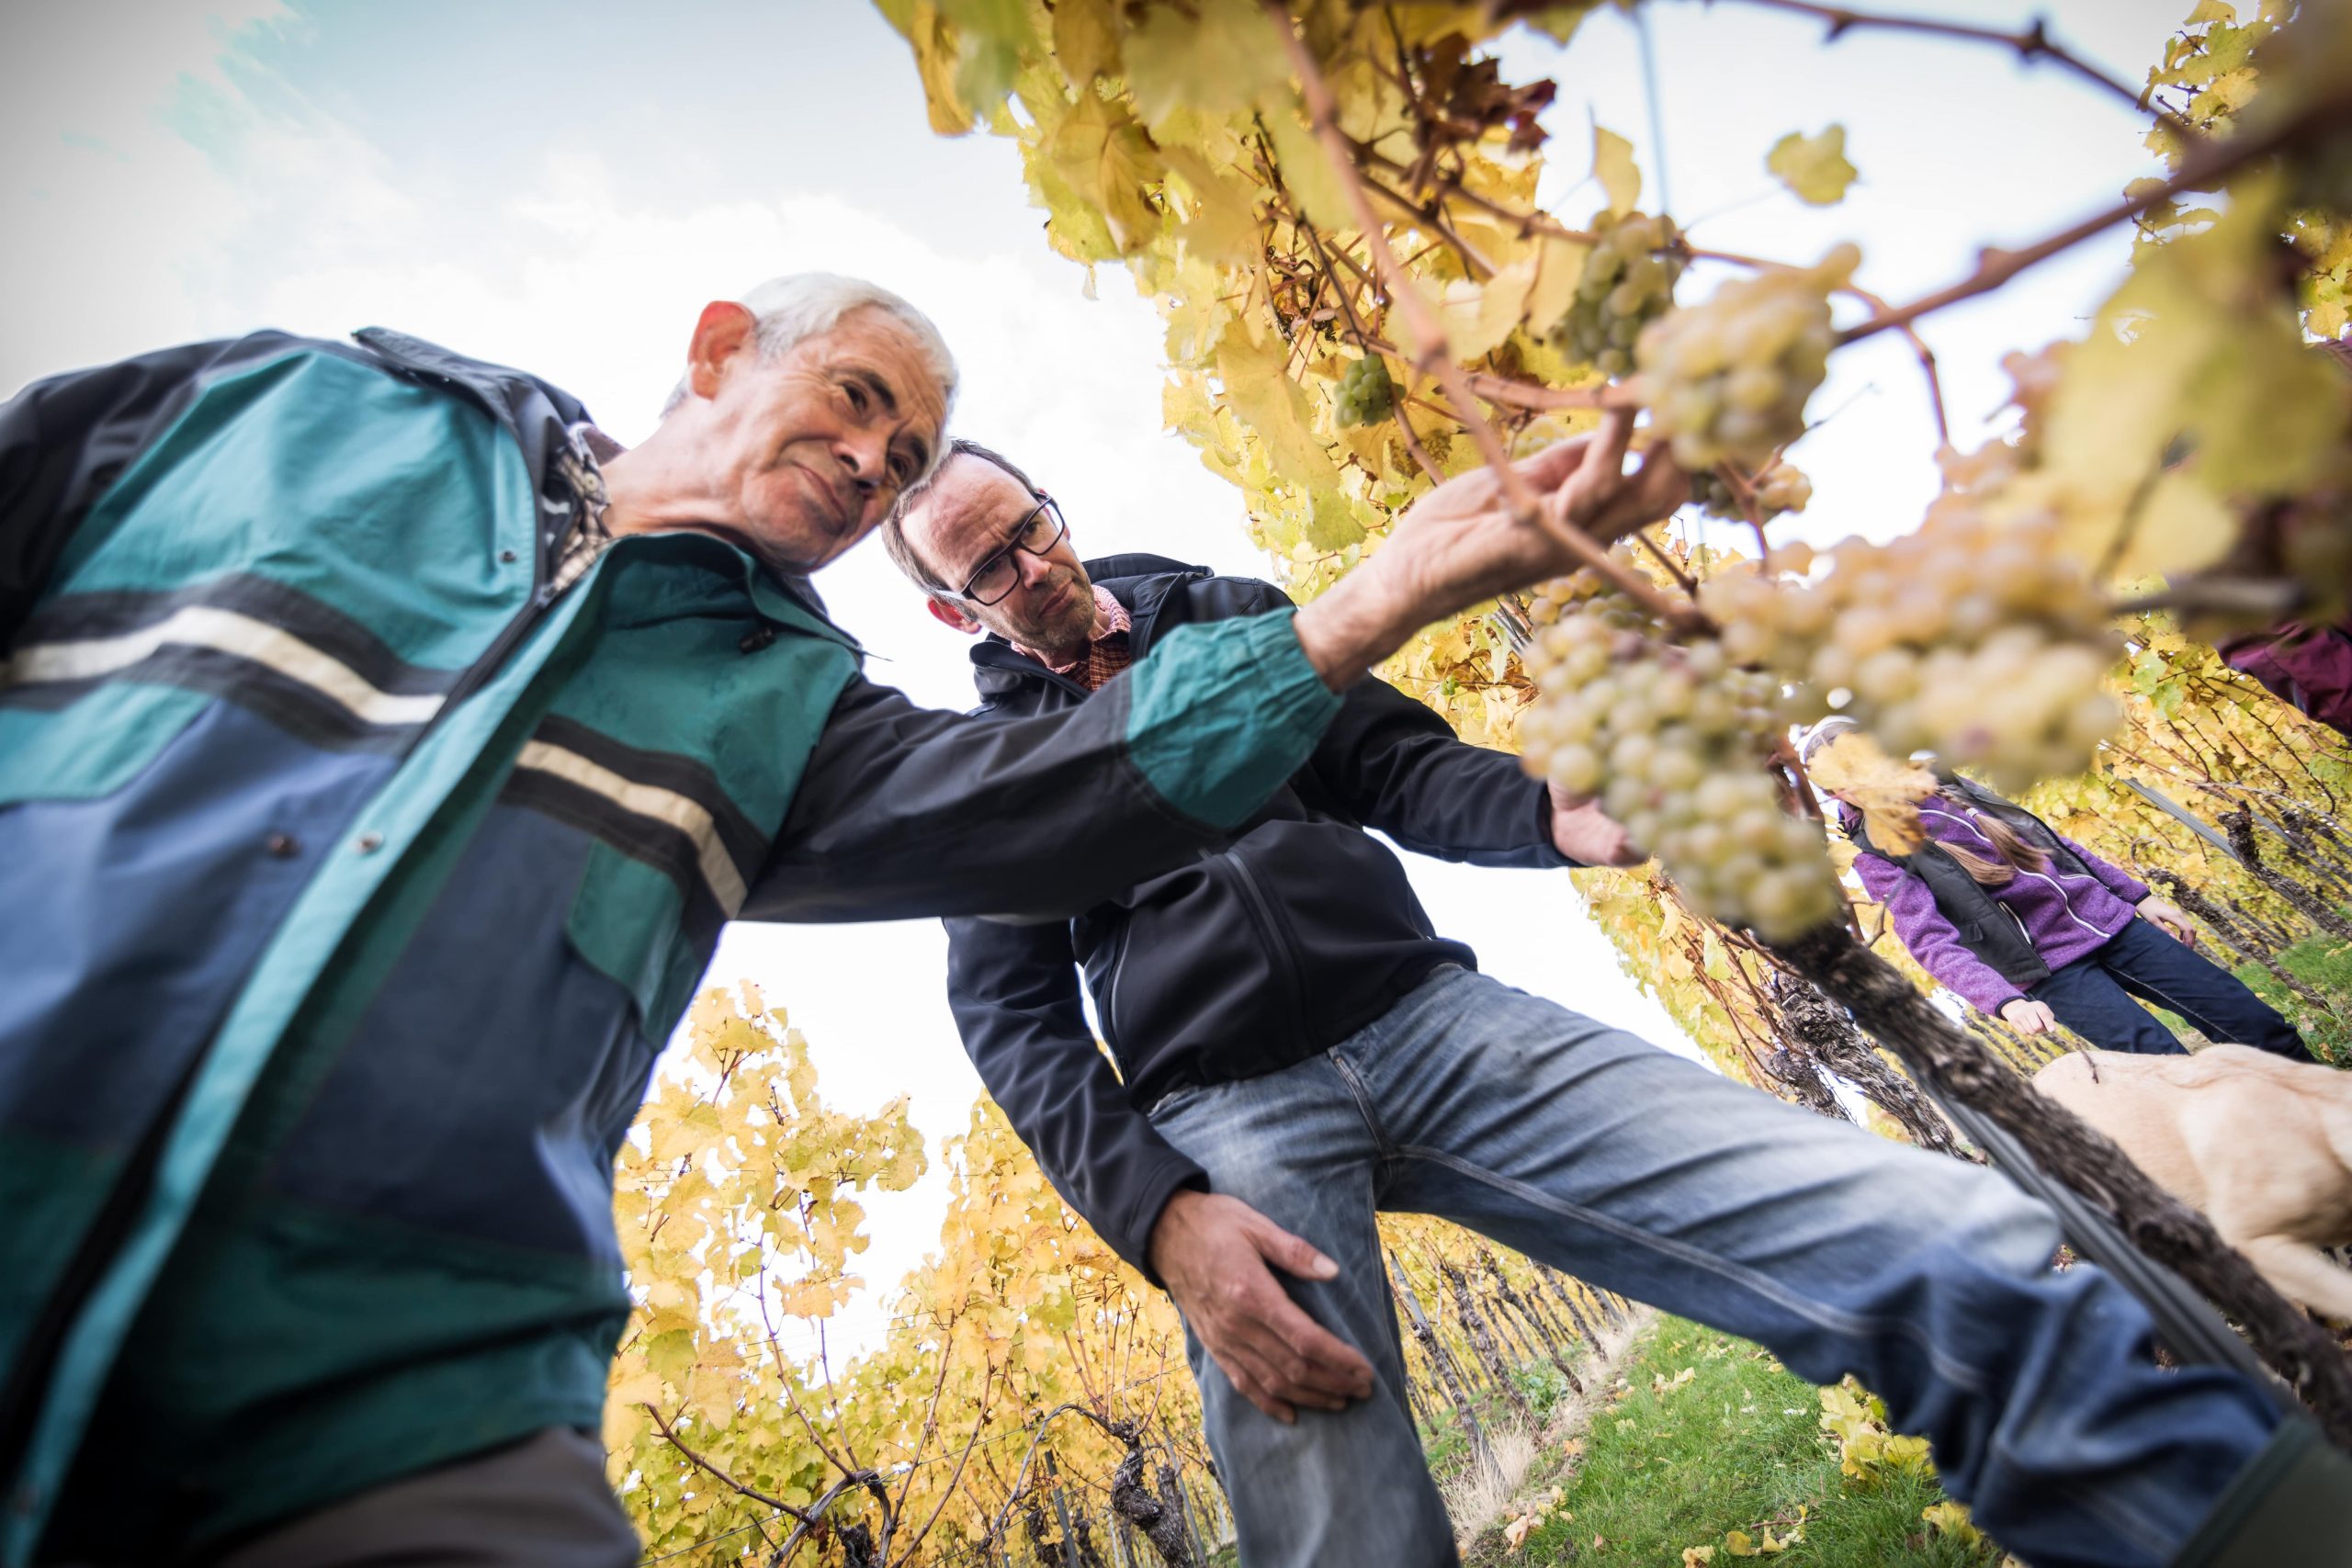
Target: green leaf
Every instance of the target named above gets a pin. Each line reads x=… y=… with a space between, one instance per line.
x=1814 y=167
x=671 y=1355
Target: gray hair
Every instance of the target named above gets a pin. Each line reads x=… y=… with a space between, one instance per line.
x=902 y=550
x=800 y=305
x=1822 y=734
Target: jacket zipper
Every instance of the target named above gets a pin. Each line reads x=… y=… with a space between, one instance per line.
x=1281 y=948
x=1110 y=985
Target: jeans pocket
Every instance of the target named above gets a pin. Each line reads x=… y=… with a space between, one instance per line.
x=1173 y=1102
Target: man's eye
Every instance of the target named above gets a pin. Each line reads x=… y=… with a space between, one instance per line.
x=856 y=395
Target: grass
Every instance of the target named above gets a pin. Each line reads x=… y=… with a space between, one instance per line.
x=2326 y=964
x=1736 y=1445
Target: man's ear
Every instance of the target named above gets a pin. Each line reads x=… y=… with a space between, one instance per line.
x=724 y=330
x=955 y=615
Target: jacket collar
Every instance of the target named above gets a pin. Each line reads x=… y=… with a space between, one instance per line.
x=548 y=421
x=1140 y=581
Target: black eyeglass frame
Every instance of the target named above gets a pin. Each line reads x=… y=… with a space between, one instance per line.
x=1061 y=530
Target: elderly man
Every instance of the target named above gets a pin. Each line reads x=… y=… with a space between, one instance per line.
x=1297 y=1050
x=380 y=752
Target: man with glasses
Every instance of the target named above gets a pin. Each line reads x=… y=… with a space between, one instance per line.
x=1297 y=1050
x=381 y=752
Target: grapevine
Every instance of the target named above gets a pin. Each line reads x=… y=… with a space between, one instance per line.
x=2190 y=450
x=1726 y=381
x=1674 y=742
x=1627 y=283
x=1365 y=394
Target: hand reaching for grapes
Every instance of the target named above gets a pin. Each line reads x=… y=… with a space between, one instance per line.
x=1459 y=545
x=2029 y=1017
x=1461 y=534
x=1586 y=835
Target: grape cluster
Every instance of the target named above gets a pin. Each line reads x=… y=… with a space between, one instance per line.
x=1977 y=640
x=1366 y=395
x=1627 y=283
x=1726 y=381
x=1781 y=488
x=1672 y=739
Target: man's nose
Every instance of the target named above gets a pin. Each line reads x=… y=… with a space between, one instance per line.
x=1035 y=570
x=865 y=453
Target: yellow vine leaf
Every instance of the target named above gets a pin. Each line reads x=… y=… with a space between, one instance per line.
x=1226 y=58
x=1613 y=166
x=1108 y=162
x=1559 y=264
x=1308 y=173
x=937 y=50
x=1813 y=167
x=1885 y=791
x=1222 y=226
x=1085 y=41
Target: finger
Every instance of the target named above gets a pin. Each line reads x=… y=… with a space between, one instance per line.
x=1291 y=1254
x=1601 y=475
x=1293 y=1377
x=1331 y=1363
x=1657 y=486
x=1251 y=1380
x=1303 y=1357
x=1552 y=468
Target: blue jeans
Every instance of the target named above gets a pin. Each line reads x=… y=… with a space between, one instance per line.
x=1588 y=1149
x=2092 y=996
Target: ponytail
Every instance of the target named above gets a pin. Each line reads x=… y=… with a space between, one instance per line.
x=2015 y=855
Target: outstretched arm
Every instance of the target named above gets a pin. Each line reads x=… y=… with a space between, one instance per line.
x=905 y=812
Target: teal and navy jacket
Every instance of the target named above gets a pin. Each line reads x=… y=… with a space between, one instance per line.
x=352 y=878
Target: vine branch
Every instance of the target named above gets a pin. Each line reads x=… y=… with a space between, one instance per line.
x=2205 y=165
x=1435 y=357
x=2031 y=42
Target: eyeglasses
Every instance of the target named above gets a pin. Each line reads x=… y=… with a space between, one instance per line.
x=1000 y=574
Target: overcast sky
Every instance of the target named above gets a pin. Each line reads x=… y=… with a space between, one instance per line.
x=561 y=186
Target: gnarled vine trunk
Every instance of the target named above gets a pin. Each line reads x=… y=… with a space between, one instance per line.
x=1944 y=1057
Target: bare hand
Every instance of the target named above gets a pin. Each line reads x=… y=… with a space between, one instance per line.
x=1459 y=545
x=2028 y=1017
x=2169 y=918
x=1212 y=1251
x=1586 y=834
x=1466 y=544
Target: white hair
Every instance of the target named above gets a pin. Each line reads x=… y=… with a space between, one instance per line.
x=800 y=305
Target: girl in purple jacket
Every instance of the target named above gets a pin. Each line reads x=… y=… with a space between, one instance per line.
x=2029 y=925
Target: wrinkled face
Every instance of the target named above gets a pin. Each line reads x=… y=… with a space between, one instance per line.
x=972 y=511
x=812 y=449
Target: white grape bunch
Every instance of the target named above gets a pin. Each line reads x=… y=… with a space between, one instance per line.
x=1366 y=395
x=1978 y=640
x=1627 y=283
x=1727 y=380
x=1674 y=742
x=1780 y=489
